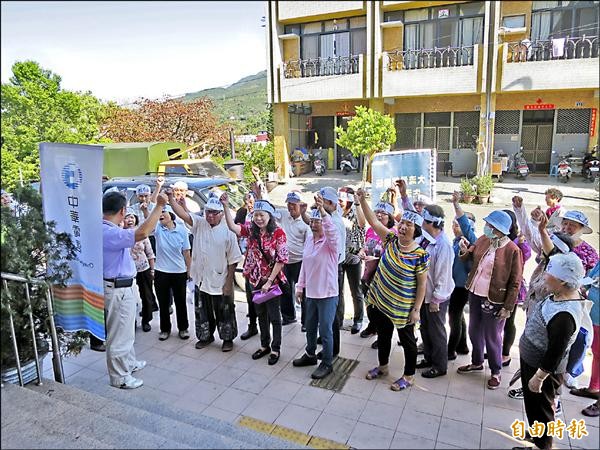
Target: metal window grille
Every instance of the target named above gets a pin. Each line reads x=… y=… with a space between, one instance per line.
x=466 y=126
x=507 y=122
x=573 y=121
x=406 y=124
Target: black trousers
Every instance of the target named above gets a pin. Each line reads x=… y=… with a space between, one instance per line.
x=144 y=282
x=510 y=333
x=354 y=273
x=288 y=306
x=385 y=331
x=252 y=316
x=214 y=312
x=456 y=319
x=164 y=283
x=433 y=332
x=539 y=407
x=269 y=315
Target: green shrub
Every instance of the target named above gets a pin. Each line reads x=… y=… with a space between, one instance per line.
x=467 y=186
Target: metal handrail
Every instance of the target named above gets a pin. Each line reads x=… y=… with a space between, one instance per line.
x=430 y=58
x=56 y=357
x=318 y=67
x=542 y=50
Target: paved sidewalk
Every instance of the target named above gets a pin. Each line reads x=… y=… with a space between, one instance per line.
x=454 y=411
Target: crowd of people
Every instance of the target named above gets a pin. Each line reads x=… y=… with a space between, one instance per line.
x=404 y=274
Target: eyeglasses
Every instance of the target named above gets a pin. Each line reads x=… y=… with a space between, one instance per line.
x=210 y=212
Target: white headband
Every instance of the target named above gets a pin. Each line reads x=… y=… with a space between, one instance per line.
x=263 y=205
x=346 y=197
x=431 y=218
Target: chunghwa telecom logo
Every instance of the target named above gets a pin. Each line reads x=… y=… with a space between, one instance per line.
x=72 y=176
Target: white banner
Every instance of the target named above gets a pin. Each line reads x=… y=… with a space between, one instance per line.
x=71 y=187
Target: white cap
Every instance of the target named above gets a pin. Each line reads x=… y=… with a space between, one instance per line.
x=142 y=189
x=566 y=267
x=180 y=185
x=213 y=204
x=315 y=214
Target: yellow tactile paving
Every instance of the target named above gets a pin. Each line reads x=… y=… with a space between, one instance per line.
x=288 y=434
x=291 y=435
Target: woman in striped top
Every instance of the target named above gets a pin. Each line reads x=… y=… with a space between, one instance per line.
x=397 y=291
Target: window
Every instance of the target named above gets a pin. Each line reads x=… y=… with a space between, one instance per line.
x=444 y=26
x=514 y=21
x=332 y=38
x=551 y=20
x=573 y=121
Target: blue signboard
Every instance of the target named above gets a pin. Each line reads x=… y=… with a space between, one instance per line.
x=416 y=167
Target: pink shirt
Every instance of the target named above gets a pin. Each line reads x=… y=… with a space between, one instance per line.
x=319 y=271
x=483 y=276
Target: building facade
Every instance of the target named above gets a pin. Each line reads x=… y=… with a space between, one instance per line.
x=466 y=78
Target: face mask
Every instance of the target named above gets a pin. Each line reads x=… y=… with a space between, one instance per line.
x=489 y=232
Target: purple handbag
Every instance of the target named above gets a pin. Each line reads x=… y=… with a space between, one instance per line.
x=258 y=297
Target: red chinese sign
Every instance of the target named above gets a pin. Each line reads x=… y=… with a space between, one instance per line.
x=345 y=113
x=593 y=122
x=539 y=106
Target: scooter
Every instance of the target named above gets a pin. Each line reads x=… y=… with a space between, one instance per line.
x=591 y=165
x=319 y=164
x=349 y=164
x=564 y=168
x=521 y=167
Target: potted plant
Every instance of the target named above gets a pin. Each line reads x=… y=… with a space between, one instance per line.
x=483 y=186
x=31 y=248
x=467 y=189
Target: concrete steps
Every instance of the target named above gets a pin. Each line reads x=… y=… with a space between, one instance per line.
x=185 y=420
x=57 y=415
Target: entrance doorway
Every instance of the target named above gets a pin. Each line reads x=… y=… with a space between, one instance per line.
x=536 y=139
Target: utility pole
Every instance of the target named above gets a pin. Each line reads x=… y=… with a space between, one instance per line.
x=232 y=143
x=488 y=149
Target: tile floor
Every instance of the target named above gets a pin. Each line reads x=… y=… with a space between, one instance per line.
x=454 y=411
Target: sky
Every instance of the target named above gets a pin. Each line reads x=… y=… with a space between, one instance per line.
x=123 y=50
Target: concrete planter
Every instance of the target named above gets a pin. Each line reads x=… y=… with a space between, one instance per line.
x=27 y=369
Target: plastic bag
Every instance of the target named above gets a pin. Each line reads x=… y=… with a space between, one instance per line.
x=189 y=292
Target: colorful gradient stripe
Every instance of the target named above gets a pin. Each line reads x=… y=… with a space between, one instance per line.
x=77 y=308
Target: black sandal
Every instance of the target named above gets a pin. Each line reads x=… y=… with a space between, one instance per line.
x=260 y=353
x=273 y=358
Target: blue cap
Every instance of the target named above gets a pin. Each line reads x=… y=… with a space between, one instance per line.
x=500 y=220
x=329 y=193
x=142 y=189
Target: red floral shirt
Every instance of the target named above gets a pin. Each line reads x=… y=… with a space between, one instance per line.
x=257 y=268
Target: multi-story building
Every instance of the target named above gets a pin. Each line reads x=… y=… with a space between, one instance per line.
x=465 y=78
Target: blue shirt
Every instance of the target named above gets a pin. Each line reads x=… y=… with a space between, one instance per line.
x=116 y=251
x=594 y=294
x=460 y=268
x=170 y=244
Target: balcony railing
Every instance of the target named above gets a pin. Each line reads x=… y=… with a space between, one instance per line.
x=319 y=67
x=430 y=58
x=552 y=49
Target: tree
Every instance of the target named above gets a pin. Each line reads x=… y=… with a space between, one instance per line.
x=167 y=120
x=35 y=109
x=368 y=132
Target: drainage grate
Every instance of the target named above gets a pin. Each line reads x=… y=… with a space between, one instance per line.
x=342 y=368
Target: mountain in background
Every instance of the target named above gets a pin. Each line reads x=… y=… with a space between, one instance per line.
x=245 y=100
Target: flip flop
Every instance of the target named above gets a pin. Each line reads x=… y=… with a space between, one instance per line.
x=400 y=384
x=375 y=373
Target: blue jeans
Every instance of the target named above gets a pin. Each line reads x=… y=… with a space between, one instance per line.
x=320 y=312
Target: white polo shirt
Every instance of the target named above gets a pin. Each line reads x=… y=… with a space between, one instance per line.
x=296 y=231
x=215 y=248
x=337 y=219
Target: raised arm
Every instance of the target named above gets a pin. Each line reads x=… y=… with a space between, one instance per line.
x=370 y=216
x=547 y=245
x=237 y=229
x=144 y=230
x=406 y=203
x=179 y=209
x=159 y=184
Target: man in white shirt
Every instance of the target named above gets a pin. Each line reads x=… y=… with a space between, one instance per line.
x=215 y=256
x=440 y=285
x=296 y=231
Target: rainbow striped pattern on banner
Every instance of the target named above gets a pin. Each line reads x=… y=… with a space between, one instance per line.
x=72 y=197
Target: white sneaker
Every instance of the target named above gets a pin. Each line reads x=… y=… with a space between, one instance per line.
x=570 y=382
x=139 y=365
x=130 y=383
